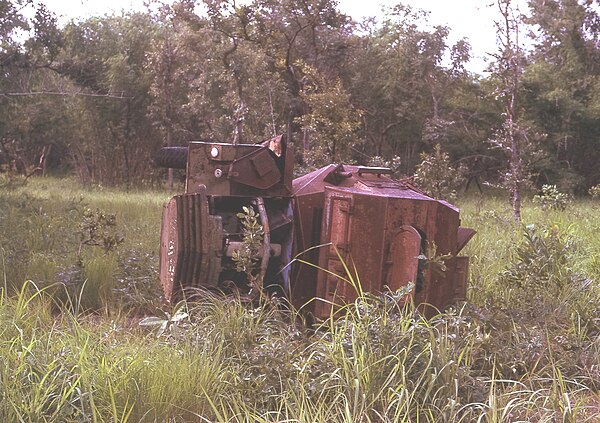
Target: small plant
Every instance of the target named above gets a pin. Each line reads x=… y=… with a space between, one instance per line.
x=246 y=259
x=551 y=198
x=542 y=263
x=10 y=182
x=437 y=177
x=167 y=322
x=99 y=229
x=394 y=163
x=595 y=192
x=432 y=260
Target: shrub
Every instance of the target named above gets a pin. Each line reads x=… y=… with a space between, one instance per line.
x=99 y=229
x=393 y=164
x=10 y=182
x=437 y=177
x=595 y=192
x=551 y=198
x=542 y=260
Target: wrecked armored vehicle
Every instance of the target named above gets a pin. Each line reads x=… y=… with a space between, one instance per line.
x=335 y=219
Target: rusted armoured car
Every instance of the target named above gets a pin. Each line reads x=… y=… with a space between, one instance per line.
x=337 y=218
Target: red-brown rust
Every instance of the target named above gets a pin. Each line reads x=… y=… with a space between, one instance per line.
x=379 y=229
x=351 y=221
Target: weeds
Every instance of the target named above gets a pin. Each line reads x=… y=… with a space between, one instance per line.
x=541 y=265
x=551 y=198
x=99 y=229
x=247 y=258
x=438 y=176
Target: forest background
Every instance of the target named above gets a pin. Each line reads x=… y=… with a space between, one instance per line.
x=98 y=97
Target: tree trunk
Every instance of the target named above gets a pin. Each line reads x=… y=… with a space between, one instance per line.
x=516 y=168
x=169 y=141
x=510 y=70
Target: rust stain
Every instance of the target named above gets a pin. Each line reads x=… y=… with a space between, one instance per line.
x=339 y=219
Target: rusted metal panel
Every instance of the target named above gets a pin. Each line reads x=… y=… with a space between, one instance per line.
x=351 y=222
x=247 y=170
x=334 y=289
x=463 y=236
x=337 y=222
x=365 y=221
x=169 y=247
x=204 y=241
x=181 y=242
x=415 y=213
x=371 y=231
x=441 y=231
x=257 y=169
x=403 y=258
x=308 y=213
x=336 y=230
x=461 y=278
x=189 y=239
x=214 y=239
x=208 y=166
x=200 y=255
x=356 y=227
x=186 y=261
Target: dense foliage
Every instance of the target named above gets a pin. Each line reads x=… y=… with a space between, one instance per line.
x=97 y=97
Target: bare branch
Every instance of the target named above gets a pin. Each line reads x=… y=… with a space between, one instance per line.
x=65 y=94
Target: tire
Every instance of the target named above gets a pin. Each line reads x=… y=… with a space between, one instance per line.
x=172 y=157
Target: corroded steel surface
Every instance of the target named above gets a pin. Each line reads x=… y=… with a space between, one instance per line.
x=190 y=252
x=245 y=170
x=355 y=229
x=378 y=230
x=169 y=247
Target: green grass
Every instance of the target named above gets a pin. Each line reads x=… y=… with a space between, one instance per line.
x=525 y=347
x=42 y=234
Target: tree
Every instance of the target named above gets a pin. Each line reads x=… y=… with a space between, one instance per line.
x=294 y=35
x=562 y=89
x=402 y=83
x=230 y=86
x=166 y=89
x=331 y=119
x=507 y=71
x=26 y=45
x=243 y=64
x=104 y=60
x=12 y=21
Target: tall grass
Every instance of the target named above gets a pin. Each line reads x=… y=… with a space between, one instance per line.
x=525 y=347
x=43 y=238
x=229 y=362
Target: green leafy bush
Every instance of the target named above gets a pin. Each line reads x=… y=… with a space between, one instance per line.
x=247 y=258
x=99 y=229
x=437 y=176
x=551 y=198
x=542 y=262
x=595 y=192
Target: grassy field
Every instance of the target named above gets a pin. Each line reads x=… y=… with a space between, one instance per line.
x=78 y=273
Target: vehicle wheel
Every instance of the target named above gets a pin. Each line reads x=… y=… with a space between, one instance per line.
x=172 y=157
